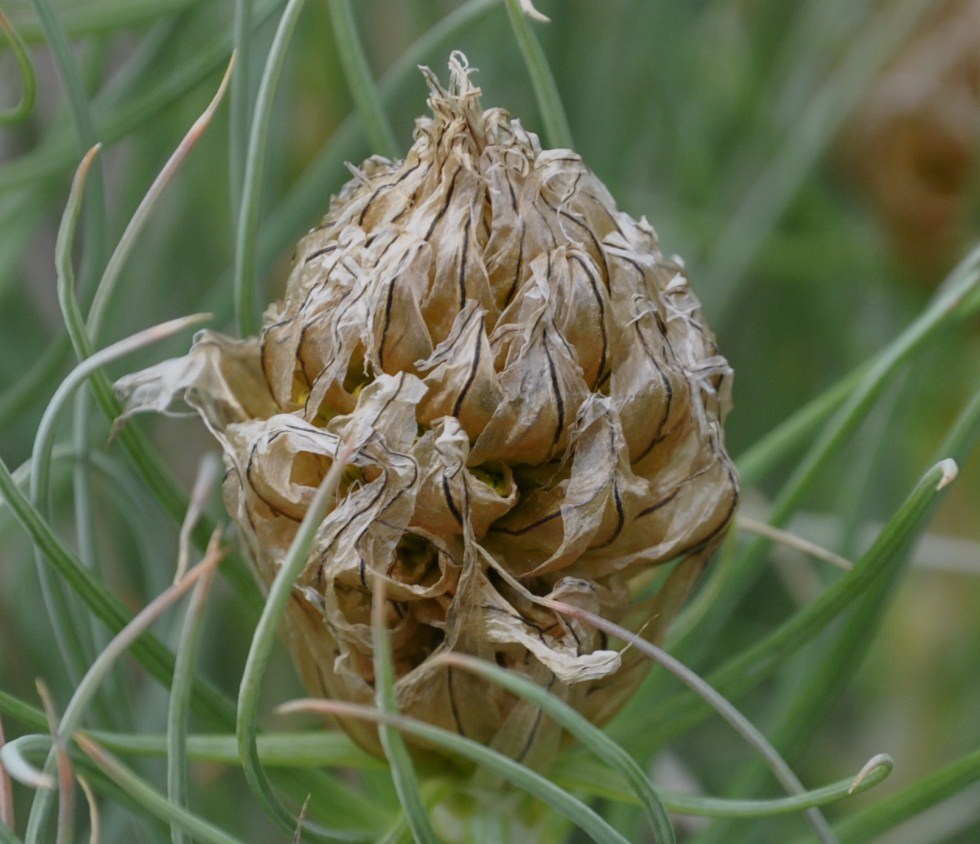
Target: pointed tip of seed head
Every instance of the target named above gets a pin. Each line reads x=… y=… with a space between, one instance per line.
x=460 y=84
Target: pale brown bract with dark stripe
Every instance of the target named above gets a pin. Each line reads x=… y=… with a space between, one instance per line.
x=535 y=406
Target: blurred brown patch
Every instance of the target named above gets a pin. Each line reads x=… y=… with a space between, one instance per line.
x=911 y=145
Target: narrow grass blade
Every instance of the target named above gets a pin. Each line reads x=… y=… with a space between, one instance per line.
x=263 y=640
x=603 y=782
x=103 y=294
x=73 y=636
x=870 y=824
x=747 y=524
x=587 y=734
x=208 y=474
x=248 y=213
x=14 y=755
x=241 y=101
x=95 y=836
x=402 y=769
x=20 y=111
x=312 y=748
x=178 y=712
x=377 y=128
x=107 y=284
x=147 y=462
x=954 y=301
x=72 y=78
x=556 y=129
x=745 y=728
x=61 y=763
x=764 y=203
x=151 y=799
x=756 y=662
x=533 y=783
x=89 y=685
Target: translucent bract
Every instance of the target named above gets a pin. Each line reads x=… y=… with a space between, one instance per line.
x=535 y=405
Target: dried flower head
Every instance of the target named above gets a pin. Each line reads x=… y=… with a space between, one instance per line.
x=912 y=144
x=535 y=407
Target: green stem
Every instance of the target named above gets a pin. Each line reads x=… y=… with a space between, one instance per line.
x=360 y=80
x=556 y=128
x=248 y=214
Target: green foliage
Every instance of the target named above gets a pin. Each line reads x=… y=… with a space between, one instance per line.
x=720 y=121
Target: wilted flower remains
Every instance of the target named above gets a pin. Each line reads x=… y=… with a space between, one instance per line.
x=535 y=407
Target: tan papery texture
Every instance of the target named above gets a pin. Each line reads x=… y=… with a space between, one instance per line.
x=535 y=406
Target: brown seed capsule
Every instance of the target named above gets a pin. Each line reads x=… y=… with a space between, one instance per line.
x=535 y=405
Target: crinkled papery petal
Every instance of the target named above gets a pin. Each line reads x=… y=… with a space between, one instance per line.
x=219 y=377
x=596 y=497
x=286 y=460
x=460 y=375
x=459 y=272
x=541 y=381
x=400 y=277
x=554 y=646
x=451 y=497
x=310 y=342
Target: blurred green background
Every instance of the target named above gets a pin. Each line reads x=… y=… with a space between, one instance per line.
x=814 y=163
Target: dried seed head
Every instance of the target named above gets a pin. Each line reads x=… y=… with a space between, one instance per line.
x=535 y=406
x=911 y=145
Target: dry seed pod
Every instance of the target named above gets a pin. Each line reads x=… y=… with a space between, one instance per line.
x=535 y=407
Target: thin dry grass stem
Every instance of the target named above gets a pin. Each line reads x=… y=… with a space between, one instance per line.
x=95 y=826
x=119 y=256
x=208 y=474
x=99 y=756
x=783 y=773
x=791 y=540
x=6 y=790
x=138 y=626
x=94 y=822
x=66 y=779
x=87 y=687
x=300 y=819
